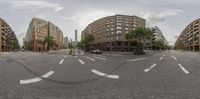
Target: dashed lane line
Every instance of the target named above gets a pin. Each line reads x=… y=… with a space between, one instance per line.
x=61 y=61
x=37 y=79
x=104 y=74
x=148 y=69
x=184 y=70
x=99 y=58
x=138 y=59
x=175 y=58
x=90 y=58
x=161 y=58
x=81 y=61
x=67 y=54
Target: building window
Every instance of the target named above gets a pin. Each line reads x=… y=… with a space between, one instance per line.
x=107 y=29
x=119 y=27
x=118 y=32
x=119 y=23
x=112 y=33
x=111 y=29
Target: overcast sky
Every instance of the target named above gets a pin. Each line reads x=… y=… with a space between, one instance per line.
x=171 y=16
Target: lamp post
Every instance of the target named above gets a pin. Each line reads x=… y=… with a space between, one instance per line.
x=110 y=44
x=48 y=34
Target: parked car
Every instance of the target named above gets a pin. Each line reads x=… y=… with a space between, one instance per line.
x=96 y=51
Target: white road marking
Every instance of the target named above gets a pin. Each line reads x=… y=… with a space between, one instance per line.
x=67 y=54
x=184 y=70
x=101 y=55
x=175 y=58
x=113 y=54
x=161 y=58
x=138 y=59
x=37 y=79
x=81 y=61
x=99 y=58
x=61 y=61
x=148 y=69
x=90 y=58
x=105 y=75
x=164 y=55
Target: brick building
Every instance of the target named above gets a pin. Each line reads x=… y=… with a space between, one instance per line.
x=8 y=39
x=36 y=33
x=109 y=32
x=190 y=37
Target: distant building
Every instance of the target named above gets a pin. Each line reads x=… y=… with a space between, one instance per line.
x=109 y=32
x=189 y=39
x=37 y=32
x=8 y=39
x=158 y=35
x=75 y=42
x=65 y=45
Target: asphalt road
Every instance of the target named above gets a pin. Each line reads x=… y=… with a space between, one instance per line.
x=57 y=75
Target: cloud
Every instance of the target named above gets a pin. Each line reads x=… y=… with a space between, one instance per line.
x=35 y=5
x=85 y=18
x=153 y=18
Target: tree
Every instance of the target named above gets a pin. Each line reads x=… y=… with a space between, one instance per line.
x=180 y=46
x=129 y=38
x=140 y=34
x=80 y=44
x=158 y=44
x=88 y=39
x=15 y=44
x=49 y=40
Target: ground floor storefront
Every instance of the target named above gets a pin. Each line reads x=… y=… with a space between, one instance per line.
x=111 y=46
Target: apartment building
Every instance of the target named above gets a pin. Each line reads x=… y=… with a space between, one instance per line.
x=8 y=39
x=37 y=32
x=158 y=35
x=189 y=38
x=109 y=32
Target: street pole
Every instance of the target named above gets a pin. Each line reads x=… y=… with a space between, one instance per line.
x=110 y=44
x=48 y=35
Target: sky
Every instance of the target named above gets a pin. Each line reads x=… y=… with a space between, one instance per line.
x=171 y=16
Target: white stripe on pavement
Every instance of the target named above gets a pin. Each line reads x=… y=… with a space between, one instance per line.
x=99 y=58
x=90 y=58
x=61 y=61
x=81 y=61
x=67 y=54
x=161 y=58
x=175 y=58
x=138 y=59
x=148 y=69
x=105 y=75
x=48 y=74
x=184 y=70
x=37 y=79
